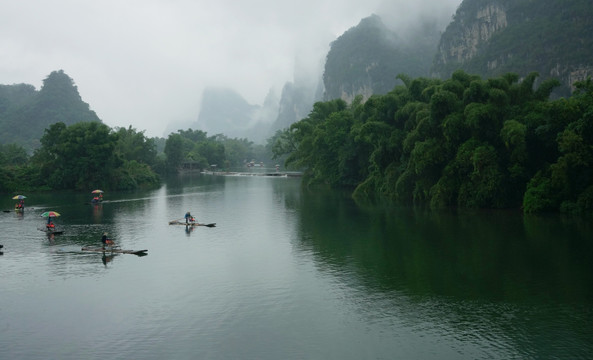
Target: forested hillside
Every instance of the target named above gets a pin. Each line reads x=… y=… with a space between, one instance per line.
x=493 y=37
x=464 y=141
x=25 y=112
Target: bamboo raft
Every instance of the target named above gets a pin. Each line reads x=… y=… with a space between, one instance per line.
x=177 y=222
x=115 y=250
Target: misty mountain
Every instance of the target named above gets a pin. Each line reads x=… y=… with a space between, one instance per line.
x=367 y=58
x=493 y=37
x=296 y=101
x=25 y=112
x=364 y=60
x=224 y=111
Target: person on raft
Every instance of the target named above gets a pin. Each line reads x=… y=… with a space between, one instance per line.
x=20 y=204
x=105 y=240
x=50 y=225
x=189 y=218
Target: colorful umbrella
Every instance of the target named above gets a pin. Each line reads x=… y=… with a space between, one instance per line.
x=50 y=214
x=96 y=191
x=18 y=197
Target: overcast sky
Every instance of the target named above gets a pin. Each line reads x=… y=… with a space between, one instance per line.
x=145 y=63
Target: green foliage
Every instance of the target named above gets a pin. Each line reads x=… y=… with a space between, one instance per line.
x=132 y=175
x=203 y=151
x=80 y=156
x=540 y=195
x=174 y=152
x=459 y=142
x=13 y=155
x=281 y=144
x=133 y=145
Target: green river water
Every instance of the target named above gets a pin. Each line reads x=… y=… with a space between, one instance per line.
x=290 y=274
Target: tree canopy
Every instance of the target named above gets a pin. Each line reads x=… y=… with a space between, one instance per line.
x=464 y=141
x=81 y=156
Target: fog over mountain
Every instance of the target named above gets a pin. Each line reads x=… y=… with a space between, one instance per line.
x=147 y=63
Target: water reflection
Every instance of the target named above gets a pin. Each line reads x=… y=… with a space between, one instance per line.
x=488 y=276
x=97 y=213
x=107 y=258
x=495 y=255
x=188 y=230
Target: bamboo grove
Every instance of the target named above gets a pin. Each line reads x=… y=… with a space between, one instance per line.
x=461 y=142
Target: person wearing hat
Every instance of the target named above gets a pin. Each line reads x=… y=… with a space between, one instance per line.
x=105 y=240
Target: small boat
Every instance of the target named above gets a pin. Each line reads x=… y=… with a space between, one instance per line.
x=177 y=222
x=115 y=250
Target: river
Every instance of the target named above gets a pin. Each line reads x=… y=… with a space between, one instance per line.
x=290 y=274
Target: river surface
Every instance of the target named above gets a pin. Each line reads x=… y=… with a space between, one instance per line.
x=290 y=274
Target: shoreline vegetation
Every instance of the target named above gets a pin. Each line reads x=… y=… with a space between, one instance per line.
x=89 y=155
x=464 y=142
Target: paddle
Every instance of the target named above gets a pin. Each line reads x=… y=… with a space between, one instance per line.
x=208 y=225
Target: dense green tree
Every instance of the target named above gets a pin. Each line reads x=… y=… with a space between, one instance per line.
x=15 y=172
x=459 y=142
x=80 y=156
x=174 y=152
x=133 y=145
x=281 y=144
x=569 y=181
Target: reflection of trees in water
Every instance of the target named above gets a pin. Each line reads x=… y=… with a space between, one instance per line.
x=496 y=255
x=492 y=275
